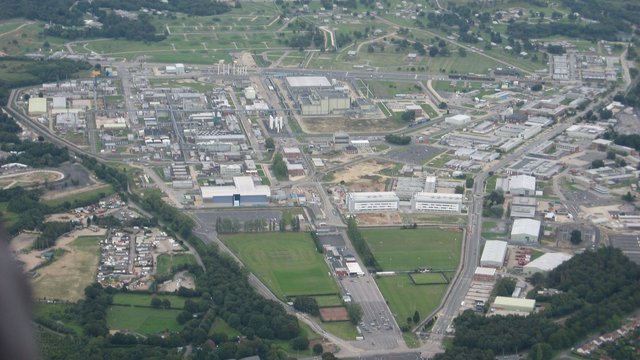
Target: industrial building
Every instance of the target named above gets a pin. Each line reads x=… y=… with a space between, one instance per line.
x=545 y=263
x=493 y=254
x=295 y=169
x=436 y=202
x=291 y=153
x=483 y=274
x=372 y=201
x=457 y=120
x=516 y=306
x=242 y=192
x=523 y=207
x=518 y=185
x=525 y=231
x=315 y=95
x=37 y=106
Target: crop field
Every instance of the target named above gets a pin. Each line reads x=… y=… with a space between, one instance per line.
x=137 y=299
x=67 y=276
x=287 y=263
x=397 y=250
x=405 y=298
x=142 y=320
x=166 y=262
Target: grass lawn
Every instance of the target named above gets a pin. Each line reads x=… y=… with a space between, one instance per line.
x=80 y=196
x=440 y=160
x=287 y=263
x=427 y=109
x=167 y=262
x=411 y=339
x=67 y=277
x=221 y=326
x=490 y=183
x=142 y=320
x=8 y=218
x=405 y=298
x=138 y=299
x=58 y=312
x=328 y=300
x=396 y=249
x=342 y=329
x=389 y=89
x=429 y=278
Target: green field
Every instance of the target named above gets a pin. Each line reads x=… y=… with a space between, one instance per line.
x=167 y=262
x=142 y=320
x=81 y=196
x=429 y=278
x=221 y=326
x=287 y=263
x=342 y=329
x=58 y=312
x=137 y=299
x=396 y=249
x=389 y=89
x=405 y=298
x=328 y=300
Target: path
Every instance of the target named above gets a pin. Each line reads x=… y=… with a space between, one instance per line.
x=372 y=41
x=16 y=29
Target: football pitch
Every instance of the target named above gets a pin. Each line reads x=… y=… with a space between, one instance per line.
x=287 y=263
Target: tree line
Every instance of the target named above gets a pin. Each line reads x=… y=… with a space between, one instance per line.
x=360 y=245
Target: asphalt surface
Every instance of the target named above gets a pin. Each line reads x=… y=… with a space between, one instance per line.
x=629 y=244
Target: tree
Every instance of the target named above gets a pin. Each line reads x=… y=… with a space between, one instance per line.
x=280 y=167
x=317 y=349
x=611 y=155
x=300 y=343
x=469 y=183
x=595 y=164
x=355 y=313
x=442 y=105
x=628 y=197
x=156 y=302
x=433 y=51
x=416 y=317
x=459 y=189
x=269 y=143
x=541 y=351
x=409 y=116
x=166 y=304
x=536 y=87
x=306 y=304
x=576 y=237
x=328 y=356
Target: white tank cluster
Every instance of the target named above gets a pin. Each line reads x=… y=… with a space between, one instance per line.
x=276 y=123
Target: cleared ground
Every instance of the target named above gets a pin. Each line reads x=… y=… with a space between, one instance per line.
x=77 y=195
x=142 y=320
x=30 y=178
x=67 y=276
x=287 y=263
x=397 y=250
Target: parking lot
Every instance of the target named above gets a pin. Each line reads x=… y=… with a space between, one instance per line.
x=415 y=154
x=629 y=244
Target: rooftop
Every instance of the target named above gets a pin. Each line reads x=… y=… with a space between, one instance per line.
x=242 y=185
x=374 y=196
x=548 y=261
x=526 y=226
x=494 y=251
x=308 y=81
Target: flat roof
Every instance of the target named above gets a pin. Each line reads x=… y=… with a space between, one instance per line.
x=523 y=201
x=522 y=182
x=548 y=261
x=374 y=196
x=242 y=185
x=354 y=268
x=294 y=166
x=485 y=271
x=509 y=301
x=308 y=81
x=494 y=251
x=438 y=197
x=526 y=226
x=37 y=105
x=291 y=150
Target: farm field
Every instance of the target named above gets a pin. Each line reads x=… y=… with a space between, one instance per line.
x=405 y=298
x=166 y=262
x=287 y=263
x=137 y=299
x=67 y=276
x=142 y=320
x=397 y=250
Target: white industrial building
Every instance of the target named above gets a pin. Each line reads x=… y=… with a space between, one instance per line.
x=523 y=207
x=372 y=201
x=493 y=254
x=585 y=131
x=436 y=202
x=545 y=263
x=354 y=269
x=457 y=120
x=250 y=93
x=525 y=231
x=523 y=185
x=37 y=106
x=242 y=192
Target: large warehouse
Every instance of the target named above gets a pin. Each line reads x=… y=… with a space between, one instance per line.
x=372 y=201
x=436 y=202
x=315 y=95
x=243 y=192
x=493 y=254
x=525 y=231
x=545 y=263
x=515 y=306
x=523 y=185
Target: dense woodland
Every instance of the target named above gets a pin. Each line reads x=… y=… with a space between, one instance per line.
x=598 y=290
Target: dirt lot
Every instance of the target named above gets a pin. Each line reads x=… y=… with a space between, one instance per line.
x=181 y=279
x=29 y=178
x=59 y=194
x=338 y=313
x=385 y=218
x=357 y=171
x=329 y=125
x=68 y=275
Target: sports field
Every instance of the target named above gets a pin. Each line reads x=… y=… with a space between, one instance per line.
x=142 y=320
x=138 y=299
x=287 y=263
x=429 y=278
x=67 y=276
x=166 y=262
x=405 y=298
x=397 y=250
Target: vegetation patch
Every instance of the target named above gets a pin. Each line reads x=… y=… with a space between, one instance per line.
x=434 y=278
x=167 y=262
x=144 y=321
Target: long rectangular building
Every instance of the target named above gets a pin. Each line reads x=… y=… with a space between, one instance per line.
x=242 y=192
x=372 y=201
x=436 y=202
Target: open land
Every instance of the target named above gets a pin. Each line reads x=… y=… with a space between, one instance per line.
x=142 y=320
